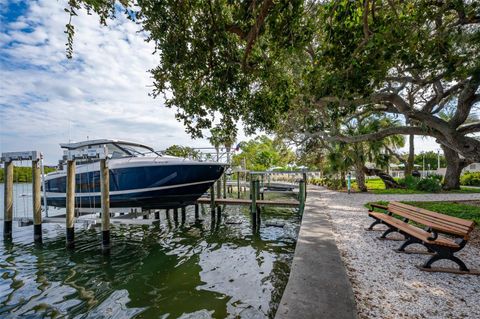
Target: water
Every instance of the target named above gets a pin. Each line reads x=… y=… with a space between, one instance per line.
x=207 y=269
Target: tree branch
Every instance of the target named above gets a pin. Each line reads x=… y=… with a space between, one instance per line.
x=253 y=34
x=403 y=130
x=469 y=128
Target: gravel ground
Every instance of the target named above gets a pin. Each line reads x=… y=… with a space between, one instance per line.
x=387 y=284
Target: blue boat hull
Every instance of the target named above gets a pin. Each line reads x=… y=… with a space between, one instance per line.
x=162 y=186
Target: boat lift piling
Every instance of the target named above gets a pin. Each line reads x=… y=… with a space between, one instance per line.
x=105 y=190
x=8 y=158
x=70 y=204
x=8 y=200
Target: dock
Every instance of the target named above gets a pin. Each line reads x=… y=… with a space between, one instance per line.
x=248 y=202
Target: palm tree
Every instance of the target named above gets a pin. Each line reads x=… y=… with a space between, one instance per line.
x=374 y=152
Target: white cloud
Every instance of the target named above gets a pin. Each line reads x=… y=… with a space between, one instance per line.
x=46 y=99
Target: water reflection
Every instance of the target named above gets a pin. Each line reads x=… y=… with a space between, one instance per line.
x=194 y=269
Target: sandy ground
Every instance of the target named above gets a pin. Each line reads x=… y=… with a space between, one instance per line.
x=387 y=284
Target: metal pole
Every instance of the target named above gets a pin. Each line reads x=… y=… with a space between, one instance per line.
x=70 y=205
x=8 y=201
x=105 y=189
x=45 y=206
x=36 y=202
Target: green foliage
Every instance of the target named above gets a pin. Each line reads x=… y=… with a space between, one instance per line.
x=183 y=151
x=409 y=182
x=263 y=153
x=22 y=174
x=431 y=185
x=470 y=179
x=331 y=183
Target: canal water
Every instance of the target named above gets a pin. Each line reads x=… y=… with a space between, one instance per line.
x=206 y=269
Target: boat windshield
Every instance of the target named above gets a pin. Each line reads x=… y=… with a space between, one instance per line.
x=116 y=150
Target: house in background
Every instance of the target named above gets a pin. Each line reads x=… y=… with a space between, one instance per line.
x=474 y=167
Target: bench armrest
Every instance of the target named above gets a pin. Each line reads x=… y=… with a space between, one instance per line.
x=372 y=206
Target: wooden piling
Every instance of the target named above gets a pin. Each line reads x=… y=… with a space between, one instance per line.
x=105 y=190
x=224 y=179
x=175 y=215
x=157 y=214
x=36 y=202
x=8 y=201
x=238 y=185
x=196 y=212
x=301 y=196
x=219 y=188
x=212 y=198
x=184 y=214
x=70 y=206
x=167 y=214
x=253 y=192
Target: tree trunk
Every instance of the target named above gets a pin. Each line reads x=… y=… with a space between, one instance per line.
x=455 y=165
x=342 y=179
x=360 y=177
x=387 y=179
x=411 y=152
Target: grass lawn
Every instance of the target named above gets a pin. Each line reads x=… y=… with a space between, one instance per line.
x=376 y=186
x=457 y=209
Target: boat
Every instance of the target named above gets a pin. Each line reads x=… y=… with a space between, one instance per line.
x=139 y=176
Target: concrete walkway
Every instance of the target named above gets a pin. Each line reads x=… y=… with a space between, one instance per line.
x=318 y=286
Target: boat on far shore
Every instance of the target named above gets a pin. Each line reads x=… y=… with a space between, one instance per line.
x=139 y=177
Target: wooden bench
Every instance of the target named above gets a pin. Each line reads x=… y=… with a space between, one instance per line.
x=432 y=236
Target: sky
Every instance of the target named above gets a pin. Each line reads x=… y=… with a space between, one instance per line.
x=103 y=92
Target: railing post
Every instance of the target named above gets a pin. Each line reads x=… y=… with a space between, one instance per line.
x=70 y=204
x=8 y=201
x=105 y=190
x=36 y=202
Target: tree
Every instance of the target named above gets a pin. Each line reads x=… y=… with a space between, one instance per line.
x=260 y=60
x=183 y=151
x=262 y=153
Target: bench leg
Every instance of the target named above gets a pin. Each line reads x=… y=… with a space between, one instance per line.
x=448 y=256
x=388 y=231
x=376 y=222
x=407 y=243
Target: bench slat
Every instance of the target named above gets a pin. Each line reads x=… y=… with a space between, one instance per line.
x=456 y=220
x=430 y=222
x=414 y=231
x=433 y=220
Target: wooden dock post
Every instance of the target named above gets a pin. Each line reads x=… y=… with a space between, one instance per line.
x=70 y=206
x=105 y=190
x=167 y=214
x=36 y=202
x=253 y=207
x=8 y=201
x=212 y=198
x=301 y=196
x=238 y=185
x=157 y=214
x=175 y=215
x=219 y=188
x=184 y=214
x=258 y=210
x=304 y=175
x=224 y=180
x=196 y=212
